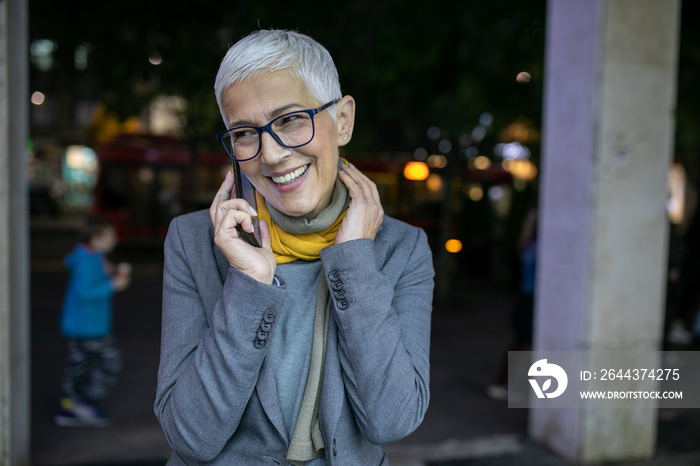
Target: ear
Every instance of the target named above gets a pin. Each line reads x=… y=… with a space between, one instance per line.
x=345 y=119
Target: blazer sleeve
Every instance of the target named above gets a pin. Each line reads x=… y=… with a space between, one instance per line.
x=383 y=317
x=210 y=358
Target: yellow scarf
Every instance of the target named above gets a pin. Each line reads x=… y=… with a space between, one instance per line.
x=288 y=247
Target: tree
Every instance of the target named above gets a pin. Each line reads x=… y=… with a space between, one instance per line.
x=410 y=66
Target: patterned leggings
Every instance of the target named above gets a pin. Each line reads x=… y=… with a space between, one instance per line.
x=92 y=368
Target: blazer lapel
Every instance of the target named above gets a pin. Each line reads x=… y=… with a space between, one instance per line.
x=267 y=392
x=332 y=389
x=266 y=386
x=332 y=386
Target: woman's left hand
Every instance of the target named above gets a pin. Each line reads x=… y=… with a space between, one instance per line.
x=365 y=212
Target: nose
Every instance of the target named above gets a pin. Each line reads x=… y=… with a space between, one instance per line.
x=271 y=152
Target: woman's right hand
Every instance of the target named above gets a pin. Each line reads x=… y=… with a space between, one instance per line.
x=226 y=214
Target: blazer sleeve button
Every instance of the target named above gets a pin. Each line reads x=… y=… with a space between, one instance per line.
x=334 y=275
x=339 y=294
x=269 y=316
x=262 y=334
x=337 y=285
x=342 y=304
x=259 y=344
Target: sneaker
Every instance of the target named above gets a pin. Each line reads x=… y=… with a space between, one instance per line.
x=72 y=413
x=65 y=416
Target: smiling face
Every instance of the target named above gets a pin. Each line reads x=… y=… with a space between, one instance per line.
x=295 y=181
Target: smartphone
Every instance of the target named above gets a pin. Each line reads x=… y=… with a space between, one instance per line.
x=245 y=190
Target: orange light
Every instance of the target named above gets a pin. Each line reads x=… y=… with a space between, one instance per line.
x=437 y=161
x=453 y=245
x=475 y=192
x=416 y=171
x=522 y=169
x=434 y=183
x=482 y=163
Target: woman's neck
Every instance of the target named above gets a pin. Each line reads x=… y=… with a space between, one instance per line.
x=310 y=223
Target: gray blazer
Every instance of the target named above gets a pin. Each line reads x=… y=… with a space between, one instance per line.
x=217 y=399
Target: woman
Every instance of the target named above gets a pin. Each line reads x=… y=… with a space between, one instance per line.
x=312 y=349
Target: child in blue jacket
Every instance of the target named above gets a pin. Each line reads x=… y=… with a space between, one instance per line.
x=86 y=320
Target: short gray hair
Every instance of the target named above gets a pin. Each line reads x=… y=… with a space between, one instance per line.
x=276 y=50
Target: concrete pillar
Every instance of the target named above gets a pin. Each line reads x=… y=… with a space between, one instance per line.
x=610 y=83
x=14 y=236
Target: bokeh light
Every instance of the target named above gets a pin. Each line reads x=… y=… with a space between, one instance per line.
x=434 y=183
x=445 y=146
x=416 y=171
x=453 y=245
x=420 y=154
x=437 y=161
x=521 y=168
x=38 y=98
x=512 y=150
x=155 y=58
x=482 y=163
x=475 y=192
x=523 y=77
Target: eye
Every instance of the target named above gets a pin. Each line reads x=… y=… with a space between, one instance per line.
x=293 y=119
x=288 y=119
x=243 y=133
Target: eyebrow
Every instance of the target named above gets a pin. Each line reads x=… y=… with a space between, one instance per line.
x=275 y=113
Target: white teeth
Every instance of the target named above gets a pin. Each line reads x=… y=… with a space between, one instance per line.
x=289 y=177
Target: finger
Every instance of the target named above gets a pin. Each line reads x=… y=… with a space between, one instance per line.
x=233 y=218
x=363 y=191
x=356 y=175
x=265 y=237
x=358 y=184
x=232 y=205
x=222 y=195
x=226 y=188
x=347 y=177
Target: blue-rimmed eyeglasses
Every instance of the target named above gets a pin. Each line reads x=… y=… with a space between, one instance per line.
x=291 y=130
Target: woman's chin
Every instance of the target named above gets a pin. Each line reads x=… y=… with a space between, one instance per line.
x=298 y=198
x=295 y=203
x=294 y=209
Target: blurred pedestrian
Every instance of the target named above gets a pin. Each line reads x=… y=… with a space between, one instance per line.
x=682 y=321
x=94 y=361
x=523 y=308
x=314 y=348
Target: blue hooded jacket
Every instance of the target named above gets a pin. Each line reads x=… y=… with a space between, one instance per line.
x=87 y=305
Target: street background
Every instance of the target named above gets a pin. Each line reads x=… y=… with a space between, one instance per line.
x=463 y=426
x=122 y=123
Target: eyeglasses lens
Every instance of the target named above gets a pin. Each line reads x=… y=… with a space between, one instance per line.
x=291 y=130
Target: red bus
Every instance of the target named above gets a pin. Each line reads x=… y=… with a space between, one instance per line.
x=145 y=181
